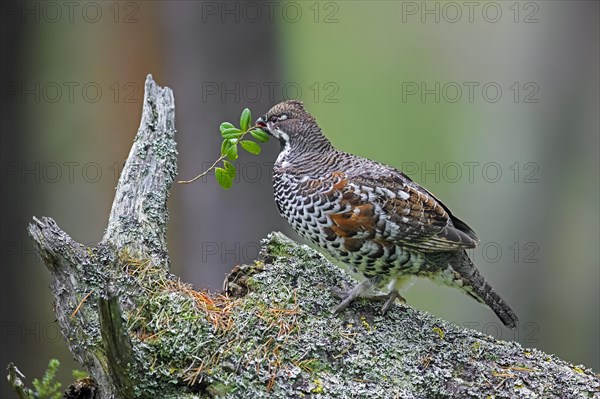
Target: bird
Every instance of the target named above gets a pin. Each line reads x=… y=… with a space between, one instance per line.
x=370 y=216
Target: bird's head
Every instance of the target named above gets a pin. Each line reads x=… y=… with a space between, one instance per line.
x=292 y=125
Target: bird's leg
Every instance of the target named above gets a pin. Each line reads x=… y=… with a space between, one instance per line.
x=391 y=298
x=361 y=288
x=393 y=293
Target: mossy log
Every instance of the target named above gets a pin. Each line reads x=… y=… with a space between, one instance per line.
x=142 y=333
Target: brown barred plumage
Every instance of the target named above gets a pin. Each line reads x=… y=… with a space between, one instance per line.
x=369 y=215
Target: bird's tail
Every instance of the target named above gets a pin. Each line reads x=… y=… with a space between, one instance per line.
x=475 y=285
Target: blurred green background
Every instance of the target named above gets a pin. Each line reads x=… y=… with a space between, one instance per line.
x=493 y=106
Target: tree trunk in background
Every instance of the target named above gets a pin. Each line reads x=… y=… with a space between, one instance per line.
x=17 y=262
x=210 y=239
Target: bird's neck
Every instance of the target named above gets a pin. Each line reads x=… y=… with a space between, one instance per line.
x=303 y=157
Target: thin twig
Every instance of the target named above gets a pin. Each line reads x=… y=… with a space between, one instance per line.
x=203 y=173
x=81 y=304
x=222 y=157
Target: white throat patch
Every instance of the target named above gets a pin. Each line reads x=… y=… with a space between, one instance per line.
x=281 y=158
x=280 y=134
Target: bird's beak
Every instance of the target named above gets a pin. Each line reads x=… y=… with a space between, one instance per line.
x=260 y=122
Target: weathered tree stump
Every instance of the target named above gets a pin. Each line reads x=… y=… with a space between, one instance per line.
x=141 y=333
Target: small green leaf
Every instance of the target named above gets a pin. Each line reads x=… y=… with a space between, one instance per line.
x=225 y=146
x=225 y=125
x=223 y=178
x=232 y=152
x=229 y=168
x=245 y=119
x=260 y=135
x=250 y=146
x=231 y=133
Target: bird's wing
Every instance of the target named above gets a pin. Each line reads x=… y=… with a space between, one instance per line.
x=385 y=205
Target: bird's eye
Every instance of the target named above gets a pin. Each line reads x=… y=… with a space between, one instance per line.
x=276 y=118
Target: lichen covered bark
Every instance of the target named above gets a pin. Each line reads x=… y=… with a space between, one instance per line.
x=275 y=336
x=280 y=340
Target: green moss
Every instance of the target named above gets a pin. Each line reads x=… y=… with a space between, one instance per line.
x=317 y=386
x=219 y=389
x=277 y=248
x=47 y=387
x=439 y=332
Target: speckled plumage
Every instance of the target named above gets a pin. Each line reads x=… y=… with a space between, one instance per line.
x=369 y=215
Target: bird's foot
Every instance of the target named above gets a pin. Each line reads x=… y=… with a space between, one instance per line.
x=348 y=296
x=362 y=289
x=391 y=298
x=339 y=292
x=388 y=300
x=343 y=305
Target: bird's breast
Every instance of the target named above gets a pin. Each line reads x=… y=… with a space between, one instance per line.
x=356 y=235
